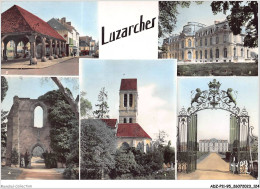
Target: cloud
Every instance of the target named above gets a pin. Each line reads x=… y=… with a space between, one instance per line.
x=155 y=113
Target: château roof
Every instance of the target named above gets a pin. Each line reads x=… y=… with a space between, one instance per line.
x=128 y=84
x=19 y=20
x=133 y=130
x=110 y=122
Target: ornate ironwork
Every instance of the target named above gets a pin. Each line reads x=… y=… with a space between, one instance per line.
x=213 y=98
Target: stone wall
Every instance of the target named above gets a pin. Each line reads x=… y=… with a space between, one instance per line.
x=21 y=133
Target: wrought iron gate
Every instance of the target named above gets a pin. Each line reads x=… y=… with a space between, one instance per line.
x=239 y=141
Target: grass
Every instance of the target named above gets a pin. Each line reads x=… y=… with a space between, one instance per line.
x=218 y=69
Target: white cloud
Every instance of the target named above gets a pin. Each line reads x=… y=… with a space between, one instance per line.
x=154 y=114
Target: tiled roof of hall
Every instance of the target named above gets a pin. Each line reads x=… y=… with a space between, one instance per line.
x=128 y=84
x=110 y=122
x=17 y=20
x=131 y=130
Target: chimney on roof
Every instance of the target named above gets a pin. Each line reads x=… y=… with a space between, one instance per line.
x=216 y=22
x=69 y=23
x=63 y=20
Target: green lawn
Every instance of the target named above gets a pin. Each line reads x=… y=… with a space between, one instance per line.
x=218 y=69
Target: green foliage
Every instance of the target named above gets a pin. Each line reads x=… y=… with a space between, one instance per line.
x=125 y=162
x=85 y=105
x=242 y=14
x=169 y=154
x=72 y=160
x=50 y=160
x=4 y=87
x=97 y=149
x=3 y=128
x=14 y=157
x=103 y=109
x=63 y=132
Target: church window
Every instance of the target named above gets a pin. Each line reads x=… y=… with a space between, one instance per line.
x=38 y=117
x=125 y=100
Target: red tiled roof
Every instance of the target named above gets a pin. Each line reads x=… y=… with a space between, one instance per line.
x=17 y=19
x=128 y=84
x=131 y=130
x=110 y=122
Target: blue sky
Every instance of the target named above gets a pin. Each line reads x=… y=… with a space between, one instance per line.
x=215 y=123
x=33 y=87
x=82 y=14
x=156 y=82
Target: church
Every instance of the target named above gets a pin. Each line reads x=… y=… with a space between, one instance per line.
x=128 y=132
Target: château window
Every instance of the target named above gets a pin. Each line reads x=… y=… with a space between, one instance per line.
x=225 y=38
x=125 y=100
x=217 y=40
x=200 y=42
x=235 y=51
x=189 y=55
x=225 y=52
x=242 y=52
x=38 y=117
x=206 y=41
x=189 y=43
x=125 y=120
x=217 y=53
x=247 y=53
x=130 y=120
x=200 y=54
x=196 y=54
x=210 y=40
x=206 y=54
x=182 y=55
x=182 y=44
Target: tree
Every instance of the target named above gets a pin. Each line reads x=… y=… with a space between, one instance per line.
x=97 y=149
x=242 y=14
x=63 y=120
x=168 y=12
x=4 y=87
x=125 y=162
x=85 y=105
x=161 y=137
x=14 y=157
x=169 y=154
x=103 y=109
x=68 y=95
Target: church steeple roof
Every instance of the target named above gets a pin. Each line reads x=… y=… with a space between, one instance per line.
x=128 y=84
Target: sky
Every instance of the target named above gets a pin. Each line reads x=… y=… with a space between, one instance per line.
x=33 y=87
x=196 y=13
x=81 y=14
x=215 y=123
x=156 y=90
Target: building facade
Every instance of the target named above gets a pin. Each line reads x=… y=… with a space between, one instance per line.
x=199 y=43
x=69 y=32
x=213 y=145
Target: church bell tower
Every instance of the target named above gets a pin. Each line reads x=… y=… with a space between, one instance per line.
x=128 y=98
